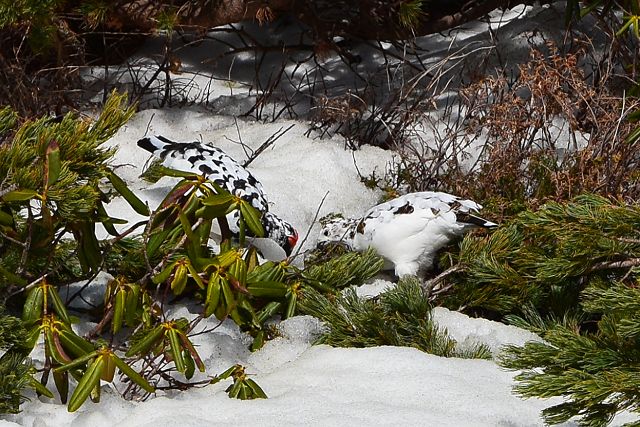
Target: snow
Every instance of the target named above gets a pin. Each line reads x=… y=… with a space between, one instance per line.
x=320 y=385
x=307 y=384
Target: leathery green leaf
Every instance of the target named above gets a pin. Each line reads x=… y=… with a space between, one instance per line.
x=145 y=344
x=234 y=389
x=39 y=388
x=33 y=305
x=131 y=304
x=191 y=350
x=121 y=187
x=225 y=200
x=255 y=388
x=213 y=294
x=133 y=375
x=89 y=380
x=223 y=376
x=270 y=289
x=61 y=380
x=176 y=350
x=77 y=362
x=6 y=218
x=251 y=218
x=109 y=369
x=195 y=276
x=20 y=195
x=58 y=305
x=190 y=365
x=164 y=274
x=119 y=306
x=76 y=345
x=179 y=278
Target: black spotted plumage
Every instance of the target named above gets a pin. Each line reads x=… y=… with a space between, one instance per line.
x=409 y=230
x=217 y=166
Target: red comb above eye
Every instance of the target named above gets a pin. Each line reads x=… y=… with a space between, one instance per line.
x=293 y=239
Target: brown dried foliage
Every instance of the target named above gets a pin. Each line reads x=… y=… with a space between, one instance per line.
x=549 y=135
x=523 y=148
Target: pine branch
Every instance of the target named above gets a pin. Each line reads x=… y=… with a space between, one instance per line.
x=401 y=316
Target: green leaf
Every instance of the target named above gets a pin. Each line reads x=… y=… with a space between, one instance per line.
x=89 y=255
x=234 y=389
x=227 y=295
x=39 y=388
x=251 y=218
x=239 y=270
x=131 y=304
x=213 y=294
x=109 y=369
x=267 y=289
x=176 y=350
x=58 y=305
x=190 y=365
x=164 y=273
x=179 y=278
x=107 y=221
x=177 y=173
x=258 y=341
x=77 y=362
x=6 y=218
x=33 y=305
x=267 y=311
x=75 y=344
x=132 y=199
x=225 y=200
x=256 y=389
x=54 y=346
x=133 y=375
x=144 y=345
x=223 y=376
x=186 y=343
x=89 y=380
x=195 y=276
x=119 y=307
x=61 y=380
x=20 y=195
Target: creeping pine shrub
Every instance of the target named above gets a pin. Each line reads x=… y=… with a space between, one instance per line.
x=15 y=371
x=594 y=369
x=401 y=317
x=569 y=272
x=545 y=258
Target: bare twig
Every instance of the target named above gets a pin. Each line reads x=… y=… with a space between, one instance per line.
x=273 y=138
x=315 y=218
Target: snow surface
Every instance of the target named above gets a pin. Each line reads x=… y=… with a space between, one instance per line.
x=307 y=384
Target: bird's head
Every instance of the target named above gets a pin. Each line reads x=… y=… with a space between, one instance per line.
x=280 y=231
x=336 y=230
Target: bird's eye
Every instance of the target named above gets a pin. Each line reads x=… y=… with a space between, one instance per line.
x=326 y=233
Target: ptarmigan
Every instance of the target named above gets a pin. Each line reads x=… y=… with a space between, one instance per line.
x=217 y=166
x=409 y=230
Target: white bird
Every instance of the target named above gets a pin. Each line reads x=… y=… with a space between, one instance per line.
x=409 y=230
x=217 y=166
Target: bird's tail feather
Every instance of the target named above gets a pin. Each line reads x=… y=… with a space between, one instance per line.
x=154 y=144
x=473 y=220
